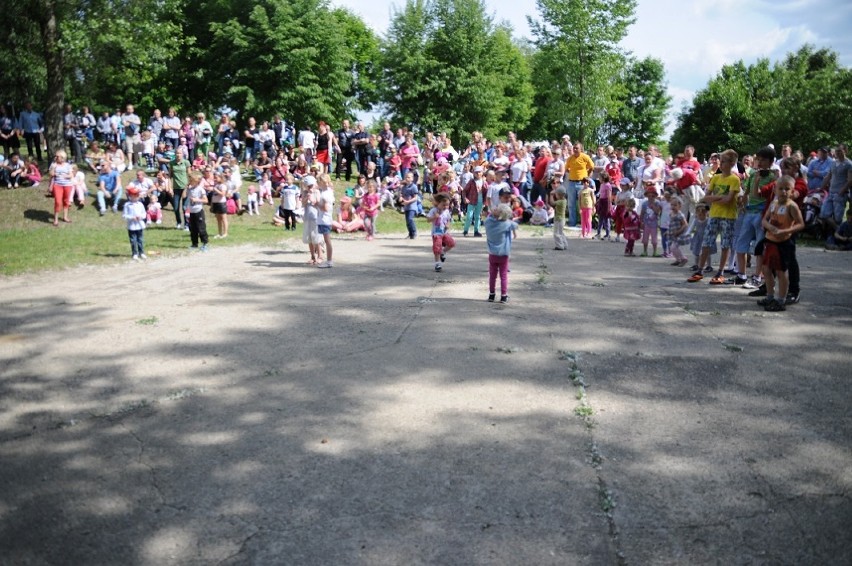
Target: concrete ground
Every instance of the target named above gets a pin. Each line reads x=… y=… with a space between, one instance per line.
x=240 y=407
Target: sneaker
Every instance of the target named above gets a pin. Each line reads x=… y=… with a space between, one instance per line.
x=753 y=283
x=675 y=264
x=740 y=279
x=490 y=297
x=178 y=227
x=325 y=265
x=102 y=212
x=695 y=268
x=186 y=228
x=643 y=254
x=369 y=238
x=477 y=234
x=147 y=223
x=204 y=248
x=697 y=276
x=759 y=292
x=764 y=302
x=438 y=267
x=730 y=271
x=443 y=257
x=135 y=257
x=682 y=262
x=504 y=299
x=791 y=299
x=464 y=234
x=159 y=221
x=776 y=306
x=708 y=269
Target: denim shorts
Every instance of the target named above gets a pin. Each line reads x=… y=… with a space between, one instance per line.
x=323 y=229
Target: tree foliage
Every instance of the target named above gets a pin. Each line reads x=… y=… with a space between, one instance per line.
x=577 y=58
x=641 y=103
x=448 y=67
x=805 y=100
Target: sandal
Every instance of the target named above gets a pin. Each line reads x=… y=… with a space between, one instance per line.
x=695 y=277
x=718 y=280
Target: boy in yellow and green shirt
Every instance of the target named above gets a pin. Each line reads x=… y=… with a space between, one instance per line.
x=722 y=196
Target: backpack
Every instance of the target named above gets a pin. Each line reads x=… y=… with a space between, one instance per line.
x=231 y=206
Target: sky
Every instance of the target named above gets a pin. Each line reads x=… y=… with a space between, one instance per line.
x=693 y=38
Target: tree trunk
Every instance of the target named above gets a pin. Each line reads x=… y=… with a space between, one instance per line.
x=55 y=100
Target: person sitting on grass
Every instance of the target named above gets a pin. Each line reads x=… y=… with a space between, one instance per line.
x=841 y=240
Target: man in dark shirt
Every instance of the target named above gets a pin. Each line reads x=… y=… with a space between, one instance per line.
x=345 y=155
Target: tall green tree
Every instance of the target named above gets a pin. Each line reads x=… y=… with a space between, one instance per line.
x=448 y=67
x=642 y=102
x=578 y=55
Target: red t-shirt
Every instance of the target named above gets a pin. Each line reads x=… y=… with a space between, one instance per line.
x=540 y=169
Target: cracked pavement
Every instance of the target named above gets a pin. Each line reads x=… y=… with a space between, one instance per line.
x=240 y=407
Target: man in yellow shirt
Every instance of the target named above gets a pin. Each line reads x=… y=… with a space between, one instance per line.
x=579 y=167
x=722 y=197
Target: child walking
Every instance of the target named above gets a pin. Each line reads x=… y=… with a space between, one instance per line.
x=440 y=217
x=586 y=200
x=370 y=206
x=678 y=232
x=559 y=203
x=782 y=220
x=325 y=204
x=499 y=230
x=134 y=215
x=630 y=224
x=665 y=221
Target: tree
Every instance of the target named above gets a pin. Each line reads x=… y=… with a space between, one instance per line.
x=804 y=101
x=577 y=57
x=642 y=102
x=448 y=67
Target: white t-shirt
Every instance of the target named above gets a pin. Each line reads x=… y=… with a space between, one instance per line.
x=288 y=197
x=306 y=141
x=519 y=170
x=325 y=204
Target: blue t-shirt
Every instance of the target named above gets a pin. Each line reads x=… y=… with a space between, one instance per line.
x=839 y=173
x=409 y=191
x=109 y=180
x=498 y=235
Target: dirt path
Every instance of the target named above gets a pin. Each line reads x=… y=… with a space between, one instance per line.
x=241 y=407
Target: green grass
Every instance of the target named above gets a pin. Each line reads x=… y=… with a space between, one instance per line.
x=29 y=242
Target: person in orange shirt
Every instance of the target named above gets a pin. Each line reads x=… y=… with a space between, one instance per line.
x=580 y=166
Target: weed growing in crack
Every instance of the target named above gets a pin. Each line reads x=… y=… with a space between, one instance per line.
x=150 y=321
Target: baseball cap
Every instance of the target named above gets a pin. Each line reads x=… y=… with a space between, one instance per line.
x=478 y=169
x=309 y=180
x=505 y=192
x=133 y=191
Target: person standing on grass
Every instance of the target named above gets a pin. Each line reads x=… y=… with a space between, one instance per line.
x=180 y=179
x=62 y=185
x=197 y=199
x=134 y=214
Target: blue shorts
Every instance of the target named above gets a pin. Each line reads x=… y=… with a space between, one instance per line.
x=716 y=226
x=323 y=229
x=749 y=233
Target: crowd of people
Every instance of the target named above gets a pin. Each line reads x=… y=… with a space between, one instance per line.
x=754 y=206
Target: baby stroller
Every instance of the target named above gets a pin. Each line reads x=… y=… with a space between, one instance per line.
x=811 y=206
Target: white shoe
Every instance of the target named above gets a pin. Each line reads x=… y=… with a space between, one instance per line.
x=143 y=256
x=325 y=265
x=135 y=257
